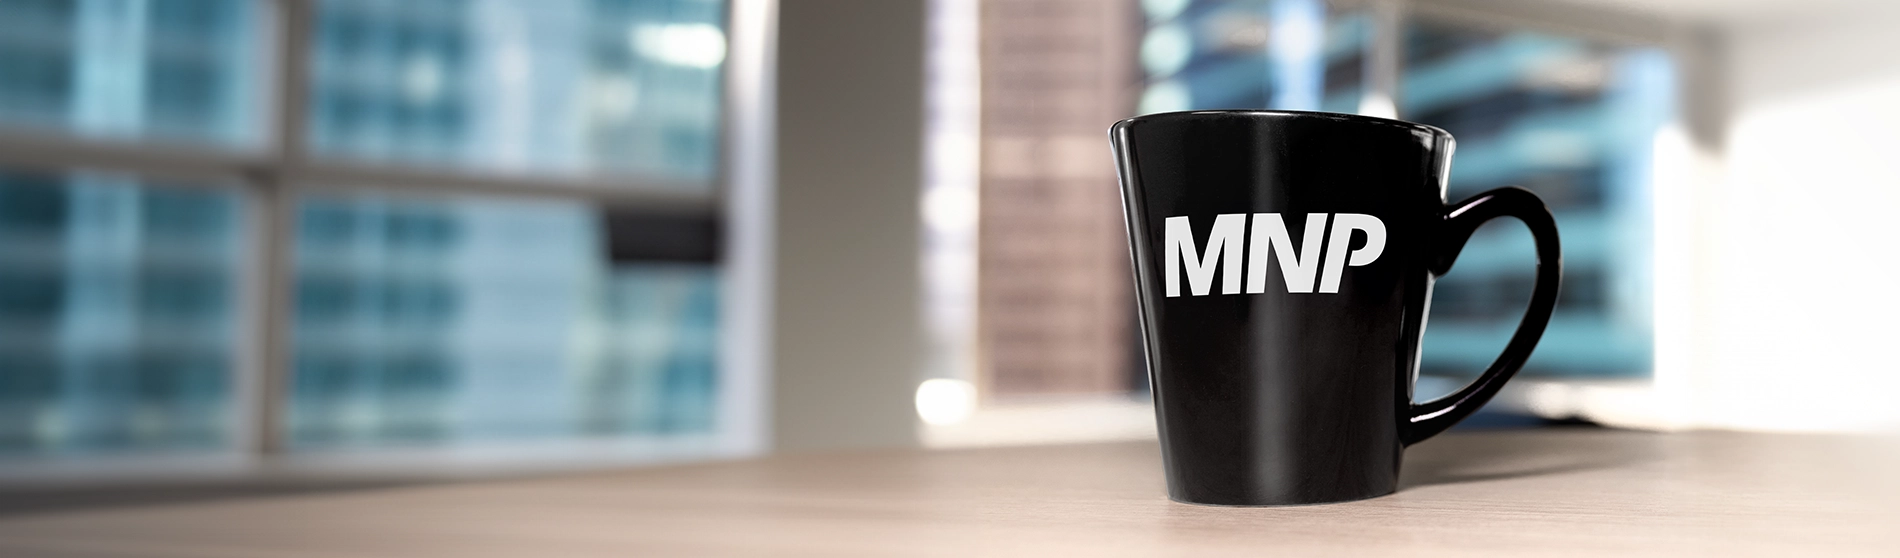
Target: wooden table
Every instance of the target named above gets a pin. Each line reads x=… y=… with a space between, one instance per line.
x=1550 y=492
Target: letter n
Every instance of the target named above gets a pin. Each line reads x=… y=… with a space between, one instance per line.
x=1270 y=238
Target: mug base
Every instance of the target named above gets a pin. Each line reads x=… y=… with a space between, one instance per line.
x=1286 y=504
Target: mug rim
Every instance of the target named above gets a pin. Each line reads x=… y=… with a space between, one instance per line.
x=1303 y=114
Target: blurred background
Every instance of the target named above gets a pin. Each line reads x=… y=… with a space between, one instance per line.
x=247 y=239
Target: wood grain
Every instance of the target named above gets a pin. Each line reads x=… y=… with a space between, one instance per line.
x=1567 y=492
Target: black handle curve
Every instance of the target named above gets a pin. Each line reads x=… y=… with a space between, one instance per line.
x=1432 y=417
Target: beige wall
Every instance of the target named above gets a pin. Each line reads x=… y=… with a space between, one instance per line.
x=1775 y=290
x=847 y=332
x=1798 y=280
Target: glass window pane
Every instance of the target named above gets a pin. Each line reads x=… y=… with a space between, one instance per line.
x=444 y=321
x=563 y=86
x=118 y=308
x=134 y=69
x=1226 y=54
x=1573 y=120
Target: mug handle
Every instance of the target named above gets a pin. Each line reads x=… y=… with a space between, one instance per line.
x=1432 y=417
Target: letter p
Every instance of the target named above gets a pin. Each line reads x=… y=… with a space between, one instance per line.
x=1341 y=240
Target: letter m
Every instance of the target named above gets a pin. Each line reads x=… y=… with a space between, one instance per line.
x=1179 y=239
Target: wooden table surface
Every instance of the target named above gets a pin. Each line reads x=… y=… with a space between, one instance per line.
x=1551 y=492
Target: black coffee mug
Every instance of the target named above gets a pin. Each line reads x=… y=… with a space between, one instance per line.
x=1284 y=264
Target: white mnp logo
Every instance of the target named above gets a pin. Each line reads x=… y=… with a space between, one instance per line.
x=1270 y=237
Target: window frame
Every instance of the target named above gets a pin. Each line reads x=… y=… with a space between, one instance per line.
x=273 y=175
